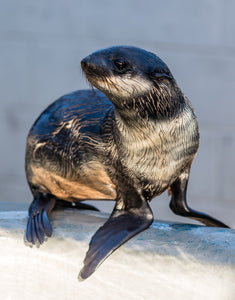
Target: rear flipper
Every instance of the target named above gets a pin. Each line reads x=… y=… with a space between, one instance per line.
x=61 y=204
x=38 y=225
x=122 y=225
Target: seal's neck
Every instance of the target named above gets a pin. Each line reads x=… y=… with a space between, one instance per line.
x=160 y=103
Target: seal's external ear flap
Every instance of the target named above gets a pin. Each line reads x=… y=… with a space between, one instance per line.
x=162 y=75
x=120 y=227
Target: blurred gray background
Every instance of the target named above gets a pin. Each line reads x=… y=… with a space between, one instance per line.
x=43 y=42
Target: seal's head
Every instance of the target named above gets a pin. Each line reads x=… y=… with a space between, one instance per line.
x=124 y=71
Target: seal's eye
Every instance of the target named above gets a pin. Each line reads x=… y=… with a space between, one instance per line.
x=120 y=64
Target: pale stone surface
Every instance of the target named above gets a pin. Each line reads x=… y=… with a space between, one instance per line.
x=167 y=261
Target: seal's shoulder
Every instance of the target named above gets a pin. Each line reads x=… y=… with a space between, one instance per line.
x=87 y=107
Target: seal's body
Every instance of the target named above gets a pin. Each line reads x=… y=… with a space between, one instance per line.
x=128 y=141
x=66 y=146
x=72 y=152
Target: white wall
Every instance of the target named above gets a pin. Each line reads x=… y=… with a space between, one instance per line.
x=42 y=43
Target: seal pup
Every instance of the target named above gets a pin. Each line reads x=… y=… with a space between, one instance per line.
x=128 y=141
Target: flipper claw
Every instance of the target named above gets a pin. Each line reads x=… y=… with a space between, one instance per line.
x=39 y=227
x=33 y=231
x=28 y=235
x=46 y=224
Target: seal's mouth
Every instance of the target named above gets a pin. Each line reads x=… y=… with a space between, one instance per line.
x=97 y=81
x=94 y=73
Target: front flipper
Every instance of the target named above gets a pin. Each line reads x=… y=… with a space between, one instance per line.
x=180 y=207
x=122 y=225
x=38 y=222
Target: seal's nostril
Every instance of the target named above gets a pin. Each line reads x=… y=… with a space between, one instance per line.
x=83 y=63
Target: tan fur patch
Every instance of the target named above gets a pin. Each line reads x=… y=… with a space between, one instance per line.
x=169 y=191
x=93 y=183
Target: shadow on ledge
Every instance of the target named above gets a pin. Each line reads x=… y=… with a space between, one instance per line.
x=167 y=261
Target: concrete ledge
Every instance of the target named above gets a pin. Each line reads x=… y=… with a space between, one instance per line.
x=167 y=261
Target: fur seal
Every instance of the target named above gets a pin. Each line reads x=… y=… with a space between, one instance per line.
x=128 y=141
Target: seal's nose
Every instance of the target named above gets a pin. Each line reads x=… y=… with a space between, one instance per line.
x=84 y=64
x=94 y=64
x=88 y=64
